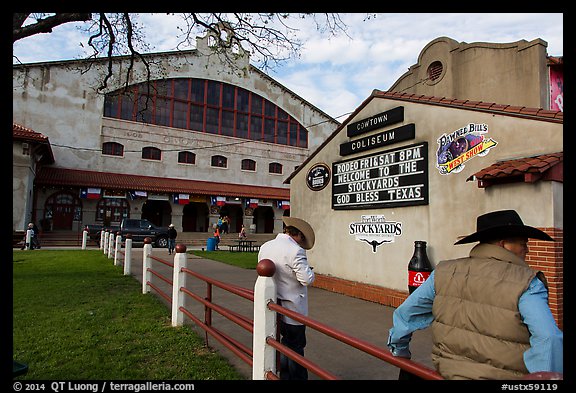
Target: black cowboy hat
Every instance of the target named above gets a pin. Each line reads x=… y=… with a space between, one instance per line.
x=502 y=224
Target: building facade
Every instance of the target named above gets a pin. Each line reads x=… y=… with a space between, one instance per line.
x=516 y=73
x=407 y=167
x=197 y=140
x=418 y=162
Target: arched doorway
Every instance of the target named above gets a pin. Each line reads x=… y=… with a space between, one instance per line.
x=157 y=212
x=63 y=208
x=195 y=217
x=264 y=219
x=235 y=213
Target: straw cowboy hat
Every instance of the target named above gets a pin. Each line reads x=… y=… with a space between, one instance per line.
x=303 y=227
x=500 y=225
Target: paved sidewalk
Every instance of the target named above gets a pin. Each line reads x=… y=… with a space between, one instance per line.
x=362 y=319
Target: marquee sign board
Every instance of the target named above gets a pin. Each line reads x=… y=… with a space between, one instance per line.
x=380 y=120
x=387 y=179
x=381 y=139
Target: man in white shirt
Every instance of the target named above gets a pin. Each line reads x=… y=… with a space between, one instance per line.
x=292 y=277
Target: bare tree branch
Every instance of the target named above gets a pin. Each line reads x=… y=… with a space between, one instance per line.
x=269 y=38
x=43 y=25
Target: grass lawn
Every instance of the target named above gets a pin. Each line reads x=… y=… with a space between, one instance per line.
x=246 y=260
x=76 y=316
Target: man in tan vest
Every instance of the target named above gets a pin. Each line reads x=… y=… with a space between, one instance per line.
x=489 y=312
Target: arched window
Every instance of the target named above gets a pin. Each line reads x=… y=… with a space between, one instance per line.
x=113 y=149
x=248 y=165
x=151 y=153
x=275 y=167
x=219 y=161
x=206 y=106
x=186 y=157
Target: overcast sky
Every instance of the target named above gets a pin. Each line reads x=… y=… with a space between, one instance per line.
x=336 y=74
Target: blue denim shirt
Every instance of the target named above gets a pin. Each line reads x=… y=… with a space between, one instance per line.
x=546 y=340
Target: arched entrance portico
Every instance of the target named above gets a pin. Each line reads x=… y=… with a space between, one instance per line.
x=264 y=219
x=235 y=213
x=157 y=212
x=195 y=217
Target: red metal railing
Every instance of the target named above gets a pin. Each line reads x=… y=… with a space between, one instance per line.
x=239 y=349
x=244 y=352
x=383 y=354
x=167 y=280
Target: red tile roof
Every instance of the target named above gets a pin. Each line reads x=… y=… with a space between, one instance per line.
x=522 y=111
x=51 y=176
x=23 y=134
x=528 y=169
x=555 y=60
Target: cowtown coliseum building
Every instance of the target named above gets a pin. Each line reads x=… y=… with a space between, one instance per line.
x=411 y=164
x=470 y=128
x=205 y=140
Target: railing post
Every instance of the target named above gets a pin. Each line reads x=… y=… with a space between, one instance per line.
x=264 y=356
x=117 y=248
x=146 y=251
x=84 y=238
x=110 y=245
x=104 y=244
x=101 y=243
x=28 y=241
x=128 y=255
x=178 y=280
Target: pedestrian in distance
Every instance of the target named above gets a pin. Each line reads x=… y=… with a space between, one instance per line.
x=293 y=276
x=34 y=239
x=217 y=235
x=172 y=234
x=224 y=228
x=489 y=311
x=242 y=233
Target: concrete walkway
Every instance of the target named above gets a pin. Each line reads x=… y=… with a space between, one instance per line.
x=362 y=319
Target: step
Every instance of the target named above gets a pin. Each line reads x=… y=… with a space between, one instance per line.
x=196 y=239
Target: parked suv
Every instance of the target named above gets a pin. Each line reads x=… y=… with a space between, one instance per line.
x=138 y=228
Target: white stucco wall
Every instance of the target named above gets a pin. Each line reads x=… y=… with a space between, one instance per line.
x=23 y=168
x=454 y=203
x=60 y=102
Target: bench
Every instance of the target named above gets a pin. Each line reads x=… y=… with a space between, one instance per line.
x=244 y=245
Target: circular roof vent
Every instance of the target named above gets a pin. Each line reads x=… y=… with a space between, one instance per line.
x=434 y=71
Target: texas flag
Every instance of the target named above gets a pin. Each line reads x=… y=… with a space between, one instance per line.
x=218 y=200
x=253 y=203
x=284 y=205
x=90 y=193
x=181 y=199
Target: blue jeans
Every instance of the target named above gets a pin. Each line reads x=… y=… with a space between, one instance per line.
x=294 y=337
x=171 y=245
